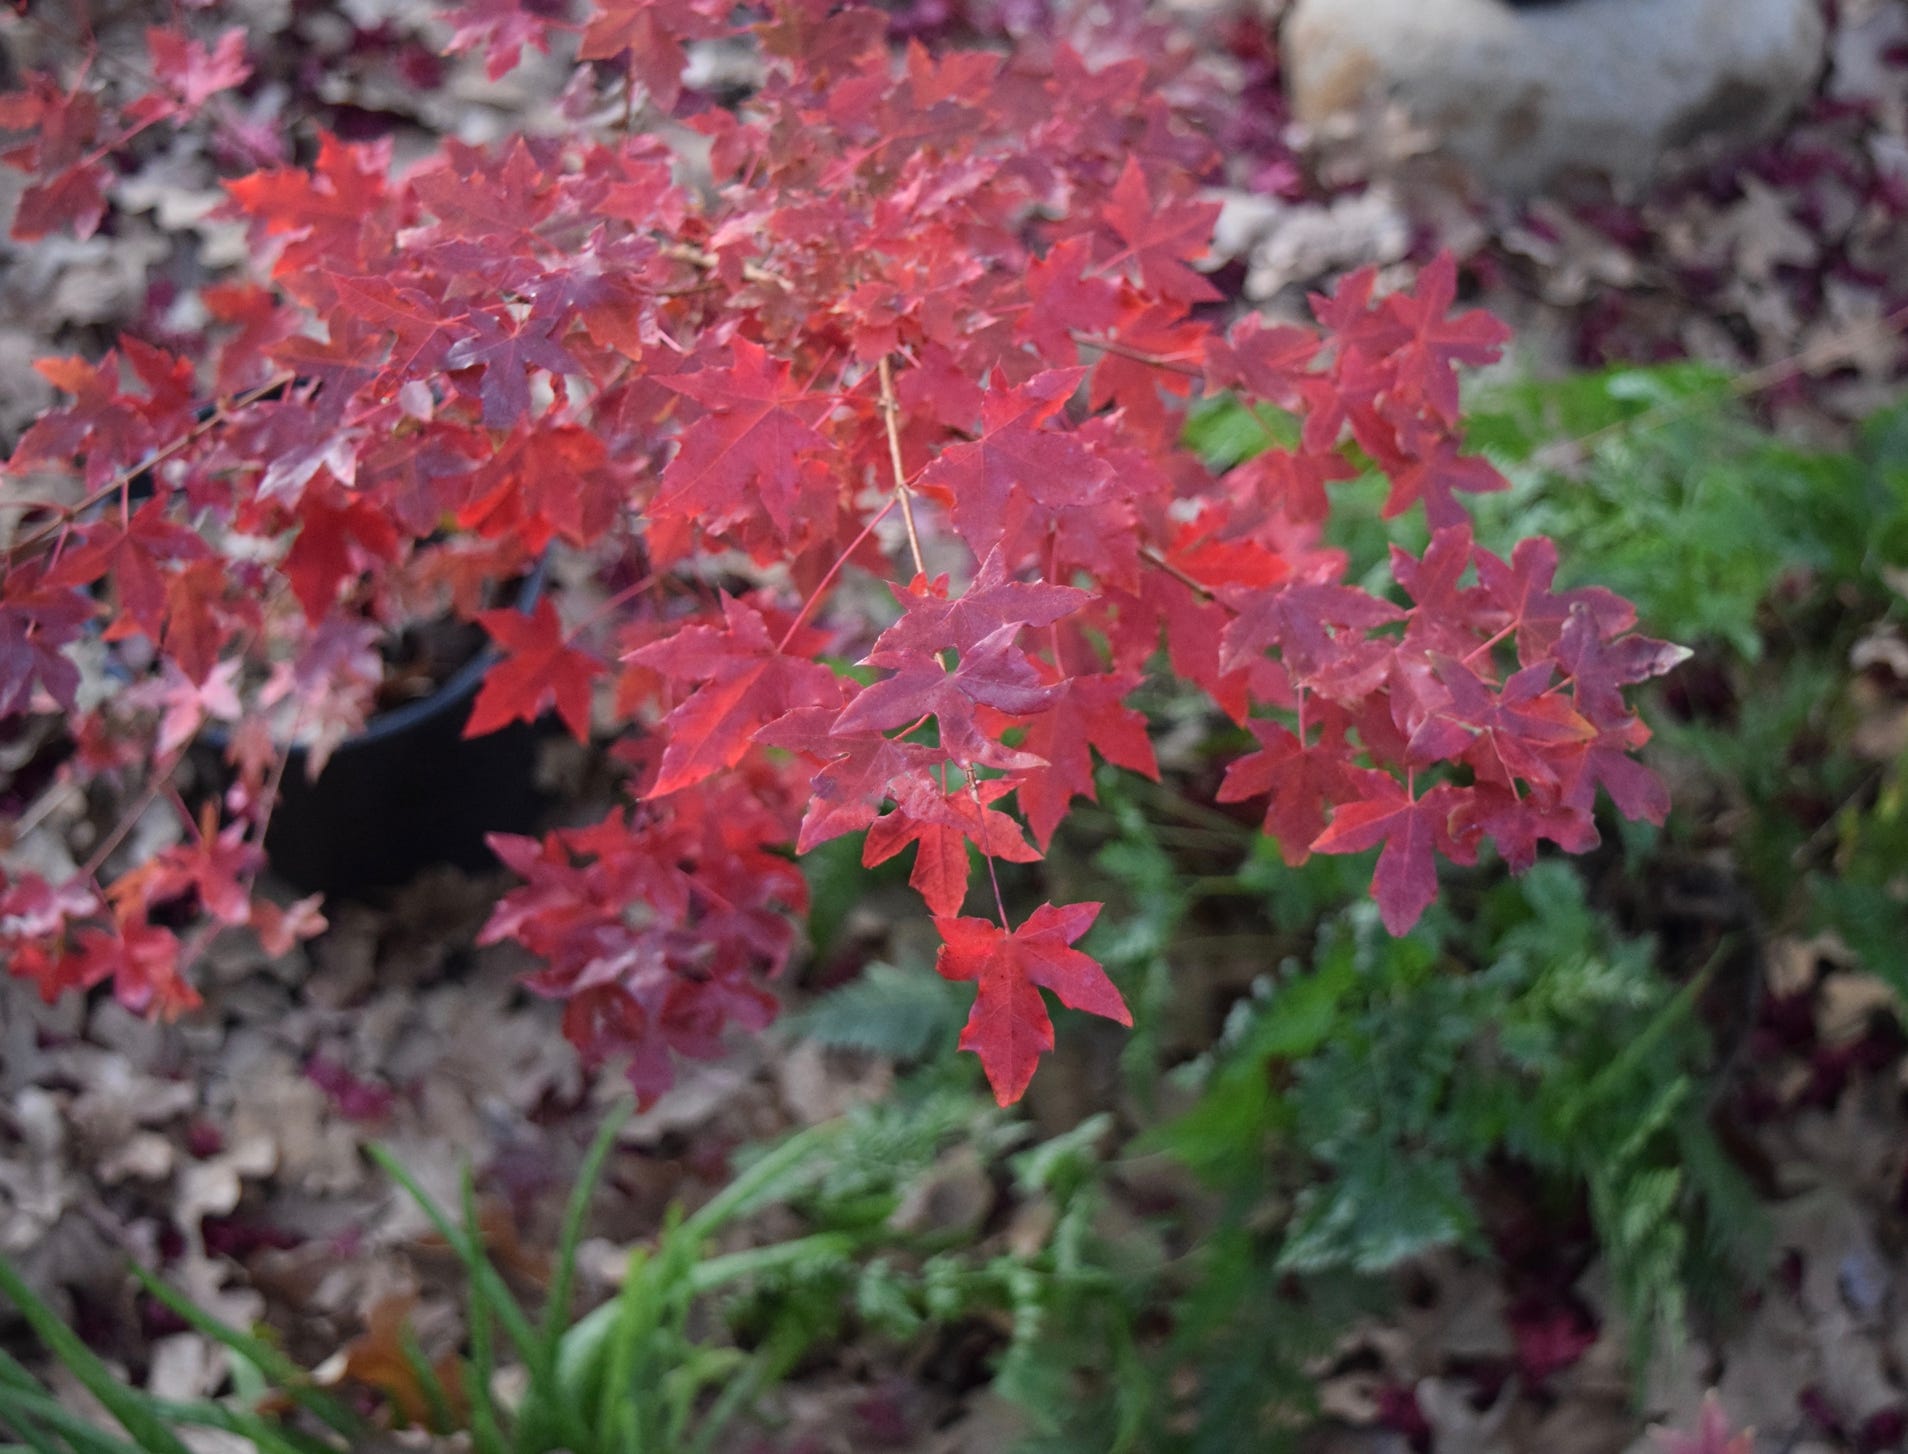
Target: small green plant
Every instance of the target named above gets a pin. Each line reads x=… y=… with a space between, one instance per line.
x=1778 y=561
x=1365 y=1091
x=34 y=1419
x=1665 y=485
x=651 y=1371
x=631 y=1377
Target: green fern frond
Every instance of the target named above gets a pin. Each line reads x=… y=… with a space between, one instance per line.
x=895 y=1013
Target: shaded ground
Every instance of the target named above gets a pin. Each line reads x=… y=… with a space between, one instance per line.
x=227 y=1151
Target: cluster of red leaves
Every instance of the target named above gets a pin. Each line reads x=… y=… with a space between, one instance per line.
x=928 y=306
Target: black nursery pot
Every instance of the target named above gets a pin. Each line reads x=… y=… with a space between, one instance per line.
x=409 y=792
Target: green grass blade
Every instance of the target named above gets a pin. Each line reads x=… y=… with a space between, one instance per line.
x=285 y=1375
x=124 y=1404
x=488 y=1290
x=14 y=1378
x=19 y=1424
x=556 y=1313
x=709 y=1273
x=486 y=1282
x=443 y=1421
x=13 y=1374
x=741 y=1195
x=483 y=1352
x=621 y=1416
x=31 y=1415
x=268 y=1436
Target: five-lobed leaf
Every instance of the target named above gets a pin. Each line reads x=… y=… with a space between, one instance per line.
x=747 y=682
x=1414 y=831
x=538 y=669
x=749 y=446
x=1008 y=1027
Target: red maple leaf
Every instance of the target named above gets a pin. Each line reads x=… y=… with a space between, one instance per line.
x=218 y=865
x=651 y=35
x=1267 y=361
x=501 y=28
x=1303 y=781
x=327 y=208
x=1600 y=668
x=135 y=554
x=1087 y=712
x=424 y=330
x=260 y=321
x=941 y=824
x=37 y=623
x=986 y=481
x=1161 y=238
x=544 y=481
x=1009 y=1028
x=749 y=446
x=1316 y=626
x=748 y=682
x=860 y=773
x=338 y=536
x=1521 y=589
x=102 y=422
x=193 y=72
x=1607 y=763
x=1432 y=478
x=1447 y=712
x=537 y=668
x=1160 y=353
x=1293 y=482
x=1067 y=297
x=74 y=197
x=1434 y=342
x=69 y=186
x=1414 y=831
x=506 y=350
x=1518 y=824
x=992 y=672
x=195 y=627
x=1445 y=615
x=142 y=961
x=934 y=621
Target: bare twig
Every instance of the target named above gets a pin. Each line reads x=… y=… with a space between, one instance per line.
x=891 y=415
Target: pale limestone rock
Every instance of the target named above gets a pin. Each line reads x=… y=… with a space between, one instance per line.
x=1526 y=94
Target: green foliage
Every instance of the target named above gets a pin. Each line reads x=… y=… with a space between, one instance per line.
x=1677 y=498
x=33 y=1416
x=1370 y=1086
x=898 y=1014
x=638 y=1375
x=1135 y=941
x=1775 y=559
x=1070 y=1304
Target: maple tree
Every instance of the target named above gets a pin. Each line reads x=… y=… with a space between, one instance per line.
x=928 y=320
